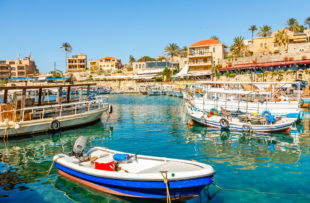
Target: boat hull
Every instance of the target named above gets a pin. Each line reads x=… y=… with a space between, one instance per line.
x=179 y=190
x=43 y=125
x=239 y=127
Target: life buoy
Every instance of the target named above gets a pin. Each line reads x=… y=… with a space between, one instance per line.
x=203 y=119
x=246 y=128
x=266 y=113
x=224 y=123
x=55 y=125
x=110 y=109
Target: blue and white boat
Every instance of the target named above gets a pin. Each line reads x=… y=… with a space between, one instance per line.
x=136 y=176
x=244 y=123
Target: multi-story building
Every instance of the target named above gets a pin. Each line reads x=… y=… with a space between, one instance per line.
x=17 y=68
x=108 y=63
x=205 y=54
x=297 y=42
x=77 y=63
x=5 y=71
x=151 y=65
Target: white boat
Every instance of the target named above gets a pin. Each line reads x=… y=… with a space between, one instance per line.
x=26 y=116
x=244 y=123
x=137 y=176
x=239 y=100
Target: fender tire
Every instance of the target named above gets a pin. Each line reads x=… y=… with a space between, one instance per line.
x=224 y=123
x=246 y=128
x=55 y=125
x=203 y=119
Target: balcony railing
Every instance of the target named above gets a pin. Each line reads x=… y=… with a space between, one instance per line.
x=208 y=63
x=200 y=54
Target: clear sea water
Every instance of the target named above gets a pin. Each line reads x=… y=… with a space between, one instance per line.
x=157 y=126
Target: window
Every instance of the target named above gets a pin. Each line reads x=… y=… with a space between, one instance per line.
x=275 y=45
x=261 y=45
x=112 y=65
x=12 y=62
x=213 y=49
x=136 y=65
x=20 y=68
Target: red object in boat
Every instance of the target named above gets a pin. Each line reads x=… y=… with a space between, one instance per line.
x=208 y=115
x=109 y=166
x=211 y=112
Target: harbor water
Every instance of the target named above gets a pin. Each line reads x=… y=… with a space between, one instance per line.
x=261 y=168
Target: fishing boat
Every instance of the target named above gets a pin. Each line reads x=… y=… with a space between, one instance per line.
x=104 y=90
x=263 y=98
x=245 y=123
x=154 y=91
x=24 y=116
x=143 y=90
x=133 y=175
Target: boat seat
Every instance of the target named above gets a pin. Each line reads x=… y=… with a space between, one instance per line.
x=171 y=166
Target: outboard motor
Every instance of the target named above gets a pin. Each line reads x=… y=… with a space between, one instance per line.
x=79 y=147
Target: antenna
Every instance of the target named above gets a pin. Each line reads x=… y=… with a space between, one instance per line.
x=18 y=56
x=54 y=66
x=29 y=54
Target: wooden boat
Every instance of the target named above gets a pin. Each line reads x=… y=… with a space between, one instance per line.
x=136 y=176
x=143 y=90
x=244 y=123
x=29 y=115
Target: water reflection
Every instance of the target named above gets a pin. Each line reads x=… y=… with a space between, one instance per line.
x=248 y=151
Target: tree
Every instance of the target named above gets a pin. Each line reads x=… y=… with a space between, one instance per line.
x=183 y=51
x=131 y=59
x=307 y=22
x=172 y=50
x=161 y=58
x=167 y=72
x=293 y=25
x=265 y=31
x=238 y=47
x=253 y=28
x=67 y=47
x=146 y=58
x=281 y=38
x=215 y=37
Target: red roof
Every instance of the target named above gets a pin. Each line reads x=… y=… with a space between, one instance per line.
x=205 y=42
x=267 y=64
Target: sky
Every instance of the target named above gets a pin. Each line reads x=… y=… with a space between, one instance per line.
x=121 y=28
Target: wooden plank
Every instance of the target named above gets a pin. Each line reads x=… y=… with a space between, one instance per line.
x=5 y=98
x=47 y=86
x=22 y=105
x=40 y=97
x=68 y=94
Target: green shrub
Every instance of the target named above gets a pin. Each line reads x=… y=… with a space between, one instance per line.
x=159 y=79
x=232 y=74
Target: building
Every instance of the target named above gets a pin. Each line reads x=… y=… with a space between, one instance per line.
x=204 y=55
x=77 y=63
x=139 y=67
x=297 y=42
x=109 y=64
x=20 y=68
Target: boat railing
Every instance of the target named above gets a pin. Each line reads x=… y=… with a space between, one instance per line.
x=56 y=110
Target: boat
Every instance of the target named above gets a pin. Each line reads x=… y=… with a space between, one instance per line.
x=263 y=98
x=104 y=90
x=245 y=123
x=132 y=175
x=154 y=91
x=24 y=116
x=143 y=90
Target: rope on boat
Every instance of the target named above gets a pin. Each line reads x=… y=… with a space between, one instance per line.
x=257 y=192
x=49 y=170
x=165 y=176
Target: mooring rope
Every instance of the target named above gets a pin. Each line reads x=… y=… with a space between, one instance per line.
x=49 y=170
x=165 y=176
x=257 y=192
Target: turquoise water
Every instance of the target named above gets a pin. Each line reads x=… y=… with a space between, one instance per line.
x=157 y=126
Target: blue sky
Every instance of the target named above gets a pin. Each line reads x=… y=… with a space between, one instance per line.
x=123 y=27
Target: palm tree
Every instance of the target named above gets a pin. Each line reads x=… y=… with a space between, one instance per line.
x=253 y=28
x=172 y=50
x=307 y=22
x=67 y=47
x=183 y=51
x=293 y=25
x=238 y=47
x=281 y=38
x=131 y=59
x=265 y=31
x=215 y=37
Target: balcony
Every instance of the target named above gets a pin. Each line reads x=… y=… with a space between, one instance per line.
x=200 y=54
x=208 y=63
